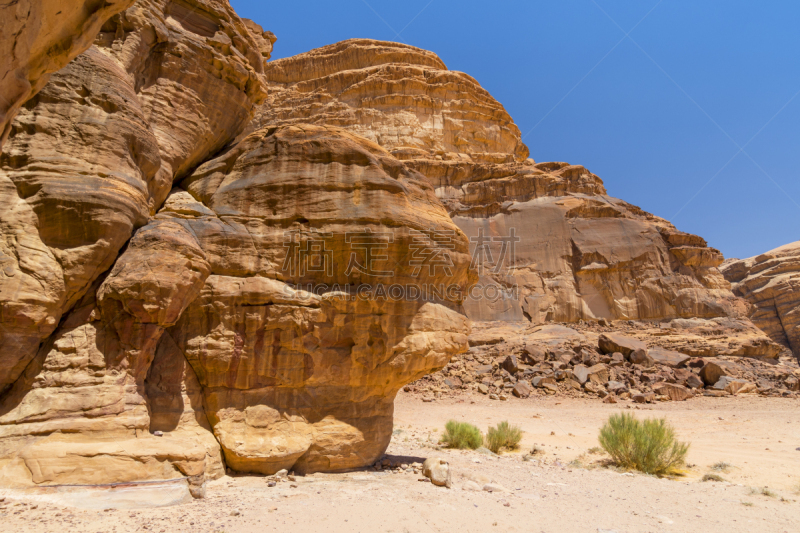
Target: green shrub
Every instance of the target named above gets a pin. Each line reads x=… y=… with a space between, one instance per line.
x=503 y=436
x=648 y=445
x=461 y=435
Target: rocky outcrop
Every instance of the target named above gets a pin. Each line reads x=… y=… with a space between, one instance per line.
x=771 y=282
x=396 y=95
x=548 y=241
x=89 y=160
x=200 y=331
x=185 y=289
x=306 y=379
x=39 y=37
x=91 y=157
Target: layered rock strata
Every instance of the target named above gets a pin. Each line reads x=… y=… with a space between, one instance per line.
x=94 y=155
x=548 y=241
x=771 y=282
x=89 y=160
x=39 y=37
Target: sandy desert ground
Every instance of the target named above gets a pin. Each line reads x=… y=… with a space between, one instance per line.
x=564 y=489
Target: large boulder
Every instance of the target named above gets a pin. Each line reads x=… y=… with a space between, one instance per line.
x=614 y=342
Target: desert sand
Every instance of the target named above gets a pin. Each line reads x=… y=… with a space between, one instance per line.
x=563 y=489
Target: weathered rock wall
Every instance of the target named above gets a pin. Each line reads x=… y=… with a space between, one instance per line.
x=39 y=37
x=771 y=282
x=94 y=155
x=152 y=280
x=578 y=253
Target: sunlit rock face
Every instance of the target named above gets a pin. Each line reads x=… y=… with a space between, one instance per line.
x=39 y=37
x=305 y=379
x=93 y=156
x=396 y=95
x=548 y=241
x=88 y=161
x=771 y=282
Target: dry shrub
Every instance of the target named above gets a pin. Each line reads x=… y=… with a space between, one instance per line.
x=461 y=435
x=648 y=445
x=503 y=436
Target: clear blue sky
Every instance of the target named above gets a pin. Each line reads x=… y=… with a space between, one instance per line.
x=660 y=115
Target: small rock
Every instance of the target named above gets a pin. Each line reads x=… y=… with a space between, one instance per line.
x=676 y=393
x=271 y=483
x=522 y=389
x=541 y=381
x=616 y=387
x=494 y=487
x=669 y=358
x=158 y=434
x=641 y=357
x=483 y=388
x=647 y=397
x=471 y=485
x=580 y=374
x=438 y=471
x=503 y=397
x=610 y=399
x=511 y=364
x=613 y=342
x=493 y=397
x=694 y=382
x=598 y=374
x=712 y=372
x=235 y=513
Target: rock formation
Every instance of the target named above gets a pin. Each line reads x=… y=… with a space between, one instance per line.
x=771 y=282
x=68 y=206
x=37 y=38
x=154 y=323
x=196 y=275
x=577 y=252
x=396 y=95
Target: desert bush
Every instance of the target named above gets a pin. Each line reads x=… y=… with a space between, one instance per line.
x=721 y=466
x=504 y=435
x=648 y=445
x=764 y=491
x=712 y=477
x=461 y=435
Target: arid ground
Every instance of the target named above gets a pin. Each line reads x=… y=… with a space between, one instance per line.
x=564 y=488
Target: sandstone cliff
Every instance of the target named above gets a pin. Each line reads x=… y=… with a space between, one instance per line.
x=154 y=323
x=771 y=282
x=196 y=274
x=577 y=254
x=37 y=38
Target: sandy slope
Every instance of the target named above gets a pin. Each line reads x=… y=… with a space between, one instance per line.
x=759 y=436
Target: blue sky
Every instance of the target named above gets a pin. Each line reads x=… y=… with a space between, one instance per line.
x=693 y=116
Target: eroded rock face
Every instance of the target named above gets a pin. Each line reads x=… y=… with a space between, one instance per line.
x=577 y=252
x=299 y=379
x=39 y=37
x=94 y=155
x=396 y=95
x=200 y=329
x=89 y=160
x=771 y=282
